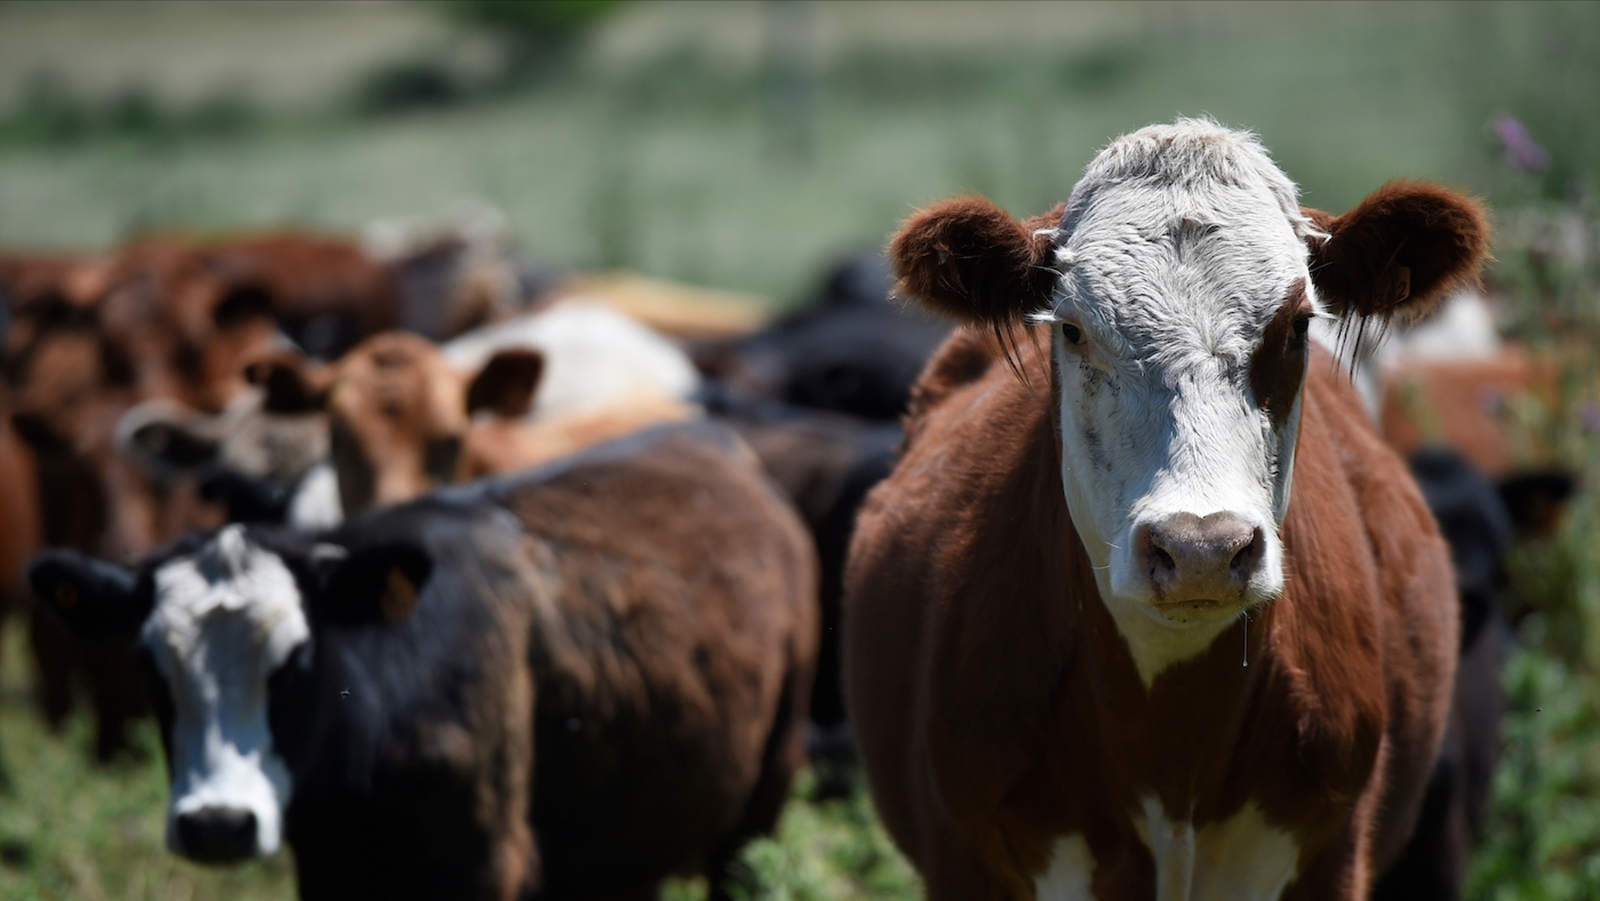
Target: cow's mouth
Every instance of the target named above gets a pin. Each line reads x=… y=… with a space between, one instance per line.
x=1197 y=611
x=1190 y=604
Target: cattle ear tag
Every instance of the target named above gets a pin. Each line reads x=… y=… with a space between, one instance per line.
x=67 y=594
x=399 y=596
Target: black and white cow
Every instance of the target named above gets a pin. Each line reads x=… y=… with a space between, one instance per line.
x=567 y=683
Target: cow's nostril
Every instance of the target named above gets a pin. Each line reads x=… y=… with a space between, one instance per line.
x=1161 y=561
x=217 y=834
x=1244 y=563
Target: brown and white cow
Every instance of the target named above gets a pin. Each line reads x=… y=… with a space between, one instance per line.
x=1095 y=646
x=406 y=415
x=162 y=318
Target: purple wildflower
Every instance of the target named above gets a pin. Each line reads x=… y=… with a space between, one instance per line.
x=1590 y=417
x=1523 y=153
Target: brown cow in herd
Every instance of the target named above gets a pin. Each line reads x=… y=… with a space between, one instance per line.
x=1094 y=646
x=90 y=337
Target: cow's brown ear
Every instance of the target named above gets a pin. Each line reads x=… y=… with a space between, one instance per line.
x=970 y=260
x=506 y=384
x=1400 y=252
x=293 y=383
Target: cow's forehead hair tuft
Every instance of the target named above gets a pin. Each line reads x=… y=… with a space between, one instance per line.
x=228 y=573
x=1198 y=156
x=1180 y=241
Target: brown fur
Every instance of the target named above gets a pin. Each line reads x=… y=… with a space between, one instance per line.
x=1279 y=363
x=1406 y=242
x=162 y=317
x=506 y=383
x=996 y=705
x=401 y=423
x=680 y=618
x=970 y=260
x=1466 y=405
x=497 y=444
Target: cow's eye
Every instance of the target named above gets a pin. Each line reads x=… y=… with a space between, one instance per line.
x=1301 y=327
x=1073 y=334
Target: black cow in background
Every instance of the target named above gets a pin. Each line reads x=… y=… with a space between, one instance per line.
x=819 y=395
x=1481 y=521
x=852 y=348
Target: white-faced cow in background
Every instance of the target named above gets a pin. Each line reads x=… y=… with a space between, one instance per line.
x=569 y=683
x=1147 y=609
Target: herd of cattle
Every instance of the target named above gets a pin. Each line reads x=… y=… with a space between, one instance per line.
x=466 y=583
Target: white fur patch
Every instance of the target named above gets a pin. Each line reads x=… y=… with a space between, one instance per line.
x=225 y=618
x=1071 y=872
x=594 y=356
x=1178 y=246
x=1243 y=858
x=316 y=503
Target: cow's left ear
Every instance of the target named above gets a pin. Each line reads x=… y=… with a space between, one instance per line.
x=970 y=260
x=96 y=600
x=1400 y=252
x=506 y=384
x=374 y=584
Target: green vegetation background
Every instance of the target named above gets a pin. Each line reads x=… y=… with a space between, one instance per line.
x=742 y=145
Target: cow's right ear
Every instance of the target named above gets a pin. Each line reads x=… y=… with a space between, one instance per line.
x=376 y=584
x=293 y=383
x=1399 y=253
x=507 y=383
x=970 y=260
x=94 y=599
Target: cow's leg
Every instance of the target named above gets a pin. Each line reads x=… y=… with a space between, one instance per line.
x=784 y=755
x=118 y=699
x=54 y=656
x=1339 y=873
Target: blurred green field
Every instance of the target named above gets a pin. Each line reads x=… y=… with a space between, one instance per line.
x=742 y=145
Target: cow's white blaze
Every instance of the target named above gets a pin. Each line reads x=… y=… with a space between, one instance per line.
x=1178 y=247
x=225 y=617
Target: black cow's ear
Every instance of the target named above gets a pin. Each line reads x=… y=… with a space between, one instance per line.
x=506 y=384
x=1537 y=500
x=375 y=584
x=1400 y=252
x=94 y=599
x=970 y=260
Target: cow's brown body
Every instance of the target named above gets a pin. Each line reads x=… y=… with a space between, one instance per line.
x=997 y=706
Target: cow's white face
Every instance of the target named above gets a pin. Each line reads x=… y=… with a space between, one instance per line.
x=224 y=619
x=1178 y=343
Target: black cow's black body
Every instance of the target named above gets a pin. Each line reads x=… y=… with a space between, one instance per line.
x=1477 y=519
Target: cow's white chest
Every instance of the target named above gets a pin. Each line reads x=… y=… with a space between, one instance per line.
x=1243 y=858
